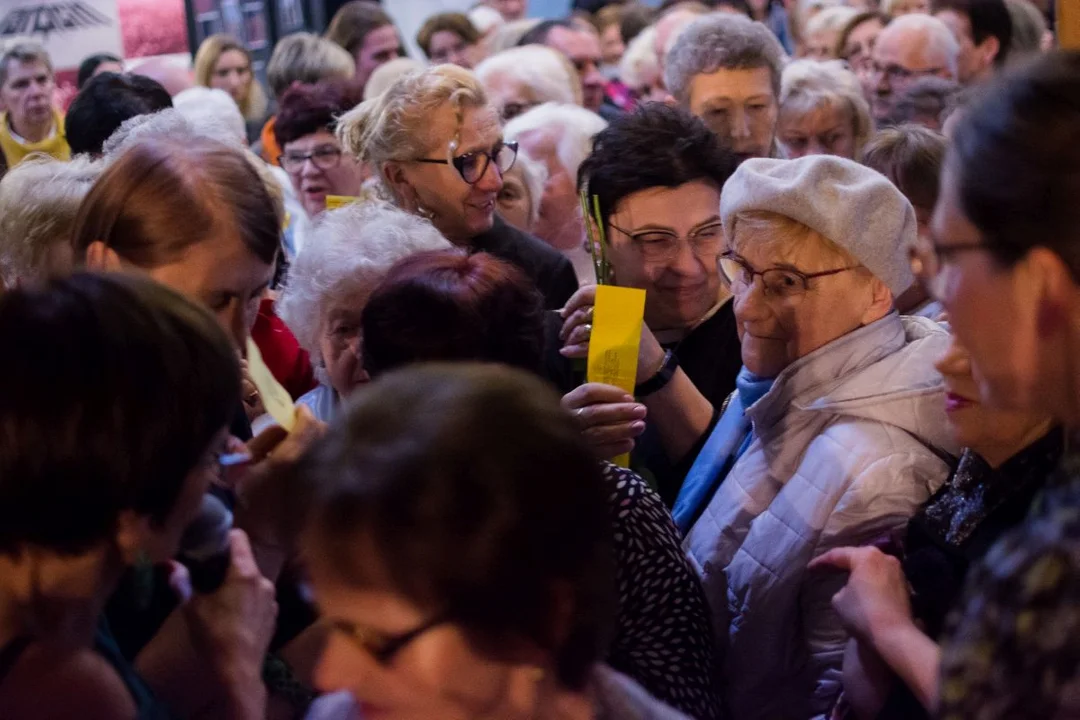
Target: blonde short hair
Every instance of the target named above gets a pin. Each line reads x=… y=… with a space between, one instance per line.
x=806 y=85
x=395 y=125
x=39 y=199
x=253 y=104
x=640 y=65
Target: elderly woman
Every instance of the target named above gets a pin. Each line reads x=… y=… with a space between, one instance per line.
x=835 y=432
x=822 y=32
x=39 y=199
x=1008 y=458
x=726 y=70
x=436 y=145
x=522 y=78
x=822 y=111
x=351 y=250
x=560 y=137
x=523 y=186
x=856 y=42
x=460 y=548
x=311 y=154
x=1002 y=258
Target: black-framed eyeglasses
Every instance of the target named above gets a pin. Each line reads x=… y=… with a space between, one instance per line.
x=662 y=245
x=471 y=166
x=928 y=258
x=326 y=157
x=777 y=282
x=383 y=648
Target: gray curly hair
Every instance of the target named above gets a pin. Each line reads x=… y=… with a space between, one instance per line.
x=721 y=41
x=349 y=254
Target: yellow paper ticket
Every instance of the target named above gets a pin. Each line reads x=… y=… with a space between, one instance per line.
x=616 y=335
x=275 y=398
x=334 y=202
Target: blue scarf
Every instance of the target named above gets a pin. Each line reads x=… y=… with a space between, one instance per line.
x=729 y=440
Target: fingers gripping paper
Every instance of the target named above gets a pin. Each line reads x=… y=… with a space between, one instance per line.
x=276 y=399
x=616 y=335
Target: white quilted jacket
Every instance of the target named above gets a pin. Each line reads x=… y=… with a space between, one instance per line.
x=847 y=444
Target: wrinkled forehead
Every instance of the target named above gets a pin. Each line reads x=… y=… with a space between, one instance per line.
x=768 y=239
x=473 y=127
x=910 y=48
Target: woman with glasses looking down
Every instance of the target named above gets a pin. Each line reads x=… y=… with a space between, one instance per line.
x=435 y=143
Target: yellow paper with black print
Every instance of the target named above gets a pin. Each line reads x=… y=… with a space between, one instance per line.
x=616 y=335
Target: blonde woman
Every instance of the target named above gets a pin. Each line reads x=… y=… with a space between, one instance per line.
x=434 y=141
x=222 y=62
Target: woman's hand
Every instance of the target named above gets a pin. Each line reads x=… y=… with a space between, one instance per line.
x=876 y=599
x=233 y=626
x=609 y=418
x=577 y=331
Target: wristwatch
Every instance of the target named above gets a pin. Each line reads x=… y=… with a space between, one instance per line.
x=661 y=378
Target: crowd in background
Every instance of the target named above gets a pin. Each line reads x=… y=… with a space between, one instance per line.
x=852 y=488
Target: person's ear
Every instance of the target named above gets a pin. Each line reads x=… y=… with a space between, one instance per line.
x=133 y=536
x=988 y=50
x=101 y=257
x=881 y=302
x=395 y=176
x=1057 y=293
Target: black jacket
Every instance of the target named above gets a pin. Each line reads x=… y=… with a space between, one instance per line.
x=544 y=265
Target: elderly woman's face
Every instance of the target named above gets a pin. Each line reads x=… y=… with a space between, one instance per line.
x=777 y=329
x=514 y=201
x=994 y=434
x=317 y=168
x=739 y=106
x=510 y=96
x=436 y=674
x=459 y=209
x=559 y=222
x=666 y=241
x=340 y=346
x=826 y=129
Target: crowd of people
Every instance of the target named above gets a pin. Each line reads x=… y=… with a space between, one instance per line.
x=852 y=487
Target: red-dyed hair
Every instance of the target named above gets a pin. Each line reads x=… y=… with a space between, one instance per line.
x=306 y=109
x=446 y=306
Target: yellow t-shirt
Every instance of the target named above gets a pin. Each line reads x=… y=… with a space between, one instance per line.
x=15 y=151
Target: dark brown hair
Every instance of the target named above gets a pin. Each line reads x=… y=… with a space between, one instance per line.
x=306 y=109
x=162 y=197
x=458 y=23
x=448 y=305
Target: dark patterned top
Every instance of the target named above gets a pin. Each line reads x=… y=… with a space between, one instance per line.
x=1013 y=648
x=663 y=634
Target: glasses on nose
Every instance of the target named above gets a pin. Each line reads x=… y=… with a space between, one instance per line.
x=661 y=245
x=776 y=282
x=898 y=74
x=324 y=158
x=928 y=259
x=383 y=648
x=472 y=165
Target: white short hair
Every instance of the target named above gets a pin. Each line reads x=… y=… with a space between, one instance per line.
x=574 y=126
x=508 y=35
x=543 y=70
x=640 y=65
x=39 y=200
x=807 y=84
x=485 y=18
x=830 y=19
x=202 y=104
x=169 y=123
x=350 y=252
x=938 y=36
x=387 y=74
x=534 y=174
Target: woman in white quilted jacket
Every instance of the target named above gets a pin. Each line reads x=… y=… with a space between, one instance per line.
x=835 y=433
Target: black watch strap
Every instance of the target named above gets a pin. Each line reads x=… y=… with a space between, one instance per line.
x=661 y=378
